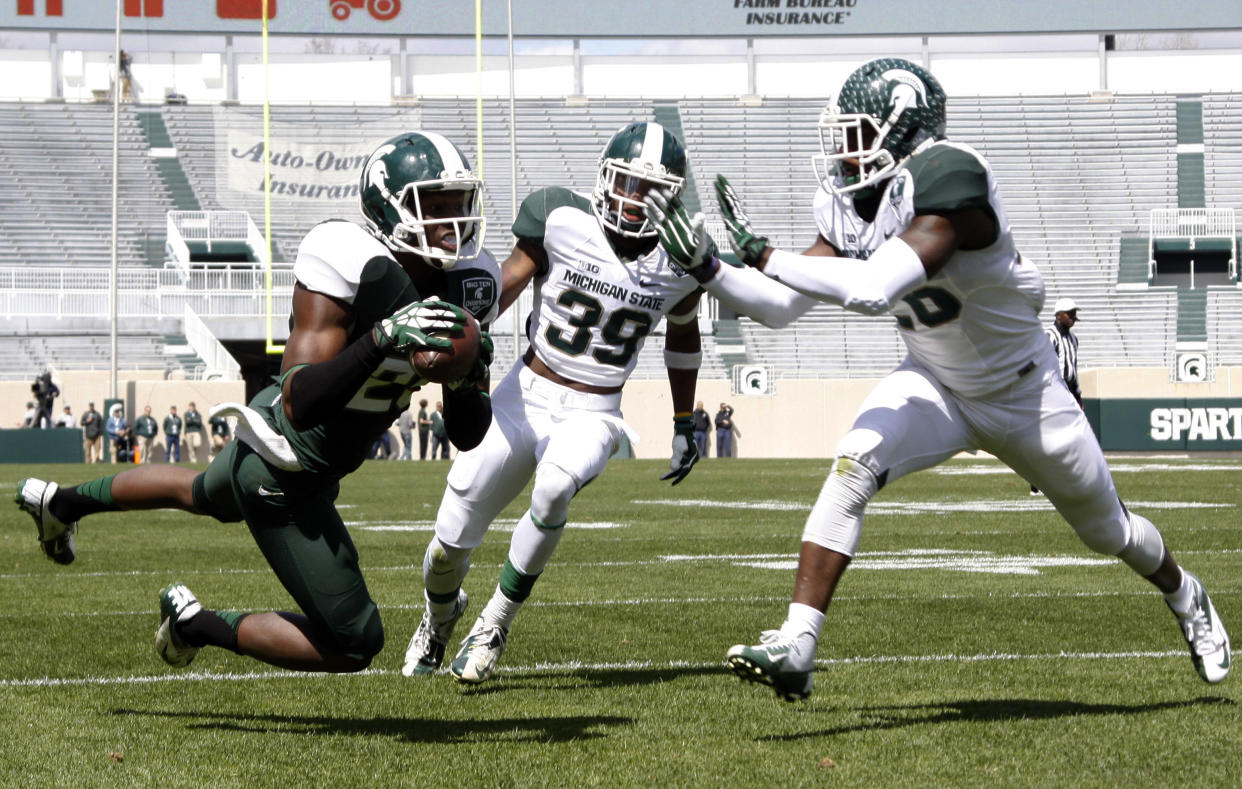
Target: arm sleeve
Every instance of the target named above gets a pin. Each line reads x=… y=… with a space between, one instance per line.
x=467 y=416
x=322 y=389
x=868 y=287
x=749 y=292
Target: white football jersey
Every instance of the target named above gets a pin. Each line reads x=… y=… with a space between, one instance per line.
x=975 y=324
x=592 y=311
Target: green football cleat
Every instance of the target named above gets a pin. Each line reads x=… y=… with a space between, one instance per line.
x=769 y=663
x=177 y=604
x=55 y=537
x=1206 y=636
x=425 y=654
x=480 y=652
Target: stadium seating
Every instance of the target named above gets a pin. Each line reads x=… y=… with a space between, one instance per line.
x=1075 y=174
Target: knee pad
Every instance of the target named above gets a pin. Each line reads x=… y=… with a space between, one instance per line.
x=363 y=637
x=1144 y=548
x=444 y=568
x=549 y=500
x=835 y=521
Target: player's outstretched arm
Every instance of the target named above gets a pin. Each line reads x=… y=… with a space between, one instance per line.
x=526 y=260
x=683 y=354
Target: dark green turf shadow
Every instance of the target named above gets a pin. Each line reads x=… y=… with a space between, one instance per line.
x=989 y=711
x=412 y=730
x=579 y=679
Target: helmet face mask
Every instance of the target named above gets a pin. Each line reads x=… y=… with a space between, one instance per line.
x=887 y=110
x=399 y=181
x=638 y=158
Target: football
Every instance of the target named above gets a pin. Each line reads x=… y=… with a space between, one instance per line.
x=451 y=364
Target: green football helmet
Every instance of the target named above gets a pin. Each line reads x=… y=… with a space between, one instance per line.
x=640 y=156
x=887 y=110
x=395 y=181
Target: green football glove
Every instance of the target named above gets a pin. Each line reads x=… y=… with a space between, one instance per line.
x=411 y=327
x=481 y=367
x=684 y=239
x=746 y=245
x=685 y=451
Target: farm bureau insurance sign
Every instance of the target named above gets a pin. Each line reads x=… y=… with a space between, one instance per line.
x=635 y=18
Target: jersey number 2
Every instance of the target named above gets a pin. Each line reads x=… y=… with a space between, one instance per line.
x=625 y=328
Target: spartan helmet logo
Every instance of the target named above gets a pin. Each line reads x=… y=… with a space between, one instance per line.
x=908 y=91
x=377 y=170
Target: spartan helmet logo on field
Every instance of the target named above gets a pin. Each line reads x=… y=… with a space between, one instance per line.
x=887 y=110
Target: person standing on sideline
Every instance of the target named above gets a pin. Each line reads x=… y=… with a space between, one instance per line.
x=424 y=429
x=439 y=435
x=724 y=431
x=92 y=435
x=146 y=430
x=172 y=436
x=193 y=432
x=1065 y=344
x=702 y=425
x=405 y=428
x=115 y=428
x=66 y=419
x=219 y=434
x=45 y=392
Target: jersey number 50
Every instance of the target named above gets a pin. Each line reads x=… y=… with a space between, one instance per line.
x=625 y=328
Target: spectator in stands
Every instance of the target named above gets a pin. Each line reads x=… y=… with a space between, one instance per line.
x=116 y=427
x=439 y=433
x=912 y=225
x=724 y=431
x=66 y=419
x=702 y=426
x=145 y=430
x=172 y=436
x=92 y=435
x=45 y=392
x=424 y=429
x=193 y=432
x=405 y=427
x=126 y=74
x=219 y=434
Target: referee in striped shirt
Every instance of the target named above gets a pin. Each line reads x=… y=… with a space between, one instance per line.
x=1066 y=346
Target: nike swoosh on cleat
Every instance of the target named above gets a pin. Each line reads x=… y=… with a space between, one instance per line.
x=268 y=494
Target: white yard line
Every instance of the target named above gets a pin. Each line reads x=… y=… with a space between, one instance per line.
x=575 y=667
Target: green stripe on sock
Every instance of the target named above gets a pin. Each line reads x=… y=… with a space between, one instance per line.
x=98 y=489
x=445 y=597
x=543 y=525
x=516 y=586
x=233 y=618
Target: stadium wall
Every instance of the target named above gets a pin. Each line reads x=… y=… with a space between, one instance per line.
x=806 y=418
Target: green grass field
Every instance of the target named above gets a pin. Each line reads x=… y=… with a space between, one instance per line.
x=975 y=641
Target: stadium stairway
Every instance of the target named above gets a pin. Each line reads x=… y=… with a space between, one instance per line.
x=1191 y=178
x=1192 y=315
x=1133 y=267
x=730 y=345
x=169 y=167
x=669 y=116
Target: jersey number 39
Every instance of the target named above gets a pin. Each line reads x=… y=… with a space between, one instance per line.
x=624 y=328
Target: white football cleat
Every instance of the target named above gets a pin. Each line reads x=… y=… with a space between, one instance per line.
x=776 y=661
x=425 y=654
x=56 y=538
x=480 y=652
x=1205 y=635
x=177 y=604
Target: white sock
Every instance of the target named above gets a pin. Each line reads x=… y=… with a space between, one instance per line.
x=1183 y=599
x=803 y=619
x=500 y=610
